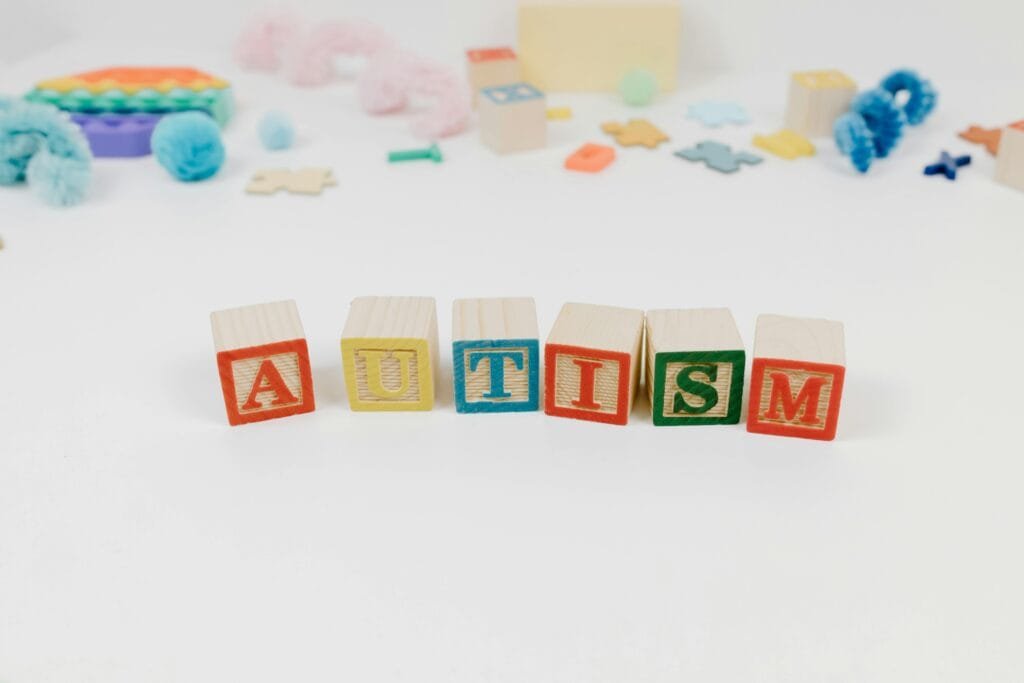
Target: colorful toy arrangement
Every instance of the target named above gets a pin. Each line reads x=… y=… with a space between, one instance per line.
x=695 y=363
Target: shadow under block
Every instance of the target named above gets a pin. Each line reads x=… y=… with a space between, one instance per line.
x=491 y=66
x=592 y=363
x=263 y=362
x=389 y=353
x=495 y=355
x=816 y=100
x=695 y=365
x=796 y=382
x=1010 y=159
x=589 y=45
x=513 y=118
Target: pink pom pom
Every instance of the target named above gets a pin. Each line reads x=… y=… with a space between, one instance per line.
x=392 y=77
x=312 y=60
x=262 y=41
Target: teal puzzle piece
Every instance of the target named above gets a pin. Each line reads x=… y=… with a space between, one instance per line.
x=718 y=156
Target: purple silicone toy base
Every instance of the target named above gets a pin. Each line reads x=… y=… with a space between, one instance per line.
x=118 y=135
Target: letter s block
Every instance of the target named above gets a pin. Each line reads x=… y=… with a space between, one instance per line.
x=389 y=353
x=592 y=363
x=796 y=382
x=263 y=362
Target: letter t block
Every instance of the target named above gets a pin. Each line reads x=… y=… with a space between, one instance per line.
x=389 y=353
x=496 y=355
x=796 y=381
x=592 y=363
x=263 y=362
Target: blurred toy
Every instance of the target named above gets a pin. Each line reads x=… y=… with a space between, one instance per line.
x=635 y=132
x=433 y=153
x=785 y=144
x=638 y=87
x=188 y=145
x=263 y=41
x=983 y=136
x=118 y=135
x=716 y=114
x=590 y=158
x=874 y=125
x=1010 y=160
x=303 y=181
x=40 y=145
x=947 y=165
x=558 y=113
x=276 y=131
x=816 y=99
x=491 y=66
x=719 y=157
x=513 y=118
x=310 y=61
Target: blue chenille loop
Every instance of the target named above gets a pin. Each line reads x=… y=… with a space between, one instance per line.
x=921 y=94
x=883 y=117
x=854 y=140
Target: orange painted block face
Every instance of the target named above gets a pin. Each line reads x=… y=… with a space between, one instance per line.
x=590 y=158
x=587 y=384
x=491 y=54
x=795 y=398
x=265 y=382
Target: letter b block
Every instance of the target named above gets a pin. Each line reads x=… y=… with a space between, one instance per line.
x=263 y=362
x=796 y=381
x=695 y=362
x=389 y=353
x=592 y=363
x=495 y=353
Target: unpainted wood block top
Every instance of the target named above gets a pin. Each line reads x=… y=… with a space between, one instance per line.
x=608 y=328
x=256 y=325
x=805 y=339
x=693 y=329
x=408 y=317
x=504 y=318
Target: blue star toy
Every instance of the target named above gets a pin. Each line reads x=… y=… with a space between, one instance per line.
x=947 y=165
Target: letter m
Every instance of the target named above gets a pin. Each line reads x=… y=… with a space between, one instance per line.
x=805 y=403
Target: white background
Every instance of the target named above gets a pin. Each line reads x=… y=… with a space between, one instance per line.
x=142 y=539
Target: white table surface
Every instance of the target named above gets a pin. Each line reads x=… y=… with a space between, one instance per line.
x=142 y=539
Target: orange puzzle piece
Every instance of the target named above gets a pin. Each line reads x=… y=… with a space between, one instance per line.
x=983 y=136
x=590 y=158
x=635 y=132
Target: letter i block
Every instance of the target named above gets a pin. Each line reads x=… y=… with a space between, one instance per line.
x=491 y=66
x=592 y=363
x=496 y=354
x=695 y=363
x=513 y=118
x=389 y=353
x=796 y=381
x=263 y=362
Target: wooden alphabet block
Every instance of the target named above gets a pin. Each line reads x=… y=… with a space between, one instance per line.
x=263 y=362
x=592 y=363
x=1010 y=159
x=491 y=66
x=796 y=381
x=589 y=45
x=513 y=118
x=389 y=353
x=496 y=355
x=695 y=363
x=816 y=100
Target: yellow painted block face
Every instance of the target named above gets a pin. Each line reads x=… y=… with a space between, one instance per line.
x=822 y=80
x=388 y=373
x=590 y=46
x=785 y=144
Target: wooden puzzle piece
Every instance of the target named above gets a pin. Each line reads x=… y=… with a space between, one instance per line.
x=635 y=132
x=718 y=156
x=989 y=137
x=947 y=165
x=786 y=144
x=303 y=181
x=716 y=114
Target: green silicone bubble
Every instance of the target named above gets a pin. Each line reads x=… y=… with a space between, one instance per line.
x=638 y=87
x=217 y=102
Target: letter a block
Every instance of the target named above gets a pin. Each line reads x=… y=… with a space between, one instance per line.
x=592 y=363
x=495 y=354
x=695 y=361
x=263 y=362
x=797 y=376
x=389 y=352
x=513 y=118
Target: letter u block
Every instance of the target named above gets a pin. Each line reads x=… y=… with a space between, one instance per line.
x=495 y=354
x=796 y=382
x=389 y=353
x=513 y=118
x=592 y=363
x=263 y=362
x=695 y=362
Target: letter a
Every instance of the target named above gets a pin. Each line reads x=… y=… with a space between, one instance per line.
x=268 y=378
x=587 y=369
x=374 y=376
x=809 y=397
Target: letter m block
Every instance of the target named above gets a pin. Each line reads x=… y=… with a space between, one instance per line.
x=796 y=383
x=263 y=362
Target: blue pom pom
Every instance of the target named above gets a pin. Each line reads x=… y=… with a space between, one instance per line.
x=277 y=131
x=59 y=181
x=188 y=145
x=921 y=94
x=854 y=140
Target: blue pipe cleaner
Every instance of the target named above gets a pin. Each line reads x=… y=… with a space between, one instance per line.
x=922 y=94
x=884 y=119
x=854 y=140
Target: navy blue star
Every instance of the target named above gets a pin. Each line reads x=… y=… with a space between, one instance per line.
x=947 y=165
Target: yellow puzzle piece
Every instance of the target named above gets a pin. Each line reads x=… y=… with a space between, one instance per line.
x=303 y=181
x=635 y=132
x=785 y=144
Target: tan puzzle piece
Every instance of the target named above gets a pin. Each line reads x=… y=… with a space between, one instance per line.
x=303 y=181
x=635 y=132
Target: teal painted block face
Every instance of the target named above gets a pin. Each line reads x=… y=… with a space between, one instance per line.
x=697 y=387
x=496 y=375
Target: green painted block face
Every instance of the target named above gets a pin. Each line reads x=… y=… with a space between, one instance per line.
x=698 y=387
